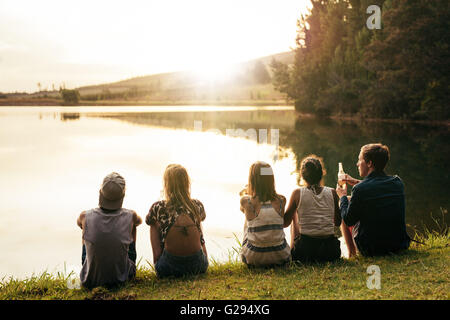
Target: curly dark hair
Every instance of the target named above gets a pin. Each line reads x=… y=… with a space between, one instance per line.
x=312 y=170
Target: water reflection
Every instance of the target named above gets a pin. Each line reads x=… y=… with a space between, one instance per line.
x=54 y=169
x=419 y=153
x=65 y=116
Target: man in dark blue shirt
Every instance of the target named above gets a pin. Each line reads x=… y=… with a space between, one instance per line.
x=376 y=209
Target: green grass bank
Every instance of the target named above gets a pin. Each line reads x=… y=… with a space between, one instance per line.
x=420 y=273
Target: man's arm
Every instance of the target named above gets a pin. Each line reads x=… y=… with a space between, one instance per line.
x=348 y=240
x=351 y=211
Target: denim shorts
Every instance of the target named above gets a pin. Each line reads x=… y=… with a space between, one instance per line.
x=177 y=266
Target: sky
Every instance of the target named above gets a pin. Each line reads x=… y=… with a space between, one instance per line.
x=83 y=42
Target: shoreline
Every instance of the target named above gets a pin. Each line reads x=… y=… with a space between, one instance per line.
x=241 y=103
x=395 y=121
x=419 y=273
x=114 y=103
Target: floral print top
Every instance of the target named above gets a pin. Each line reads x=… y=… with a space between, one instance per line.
x=167 y=215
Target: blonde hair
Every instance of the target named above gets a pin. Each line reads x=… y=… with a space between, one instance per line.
x=261 y=182
x=177 y=189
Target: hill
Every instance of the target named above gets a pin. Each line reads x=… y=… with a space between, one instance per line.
x=247 y=83
x=250 y=80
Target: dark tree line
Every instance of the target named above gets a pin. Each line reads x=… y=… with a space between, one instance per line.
x=398 y=71
x=70 y=97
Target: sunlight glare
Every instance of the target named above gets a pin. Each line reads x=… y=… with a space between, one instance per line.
x=214 y=72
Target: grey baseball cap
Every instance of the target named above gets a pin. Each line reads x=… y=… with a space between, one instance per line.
x=112 y=192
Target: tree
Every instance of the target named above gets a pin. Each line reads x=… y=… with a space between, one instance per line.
x=260 y=74
x=411 y=59
x=281 y=78
x=70 y=97
x=399 y=71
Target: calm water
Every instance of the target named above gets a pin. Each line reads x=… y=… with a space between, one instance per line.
x=52 y=162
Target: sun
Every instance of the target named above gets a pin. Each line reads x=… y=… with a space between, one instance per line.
x=214 y=72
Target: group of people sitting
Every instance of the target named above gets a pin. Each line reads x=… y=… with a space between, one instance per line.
x=372 y=221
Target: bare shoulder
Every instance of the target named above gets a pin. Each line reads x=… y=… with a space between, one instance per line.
x=82 y=215
x=136 y=218
x=81 y=218
x=248 y=204
x=157 y=205
x=295 y=194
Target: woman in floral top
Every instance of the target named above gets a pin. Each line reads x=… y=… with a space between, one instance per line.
x=175 y=228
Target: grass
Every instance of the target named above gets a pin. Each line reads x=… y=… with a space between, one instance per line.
x=420 y=273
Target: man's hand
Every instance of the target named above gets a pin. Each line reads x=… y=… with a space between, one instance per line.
x=341 y=191
x=350 y=180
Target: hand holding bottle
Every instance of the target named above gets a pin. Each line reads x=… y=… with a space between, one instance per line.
x=341 y=190
x=341 y=175
x=346 y=178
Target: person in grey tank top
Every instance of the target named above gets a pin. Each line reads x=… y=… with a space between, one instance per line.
x=109 y=237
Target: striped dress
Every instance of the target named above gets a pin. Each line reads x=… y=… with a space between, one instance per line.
x=264 y=239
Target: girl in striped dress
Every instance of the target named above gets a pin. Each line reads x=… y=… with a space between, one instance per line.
x=264 y=241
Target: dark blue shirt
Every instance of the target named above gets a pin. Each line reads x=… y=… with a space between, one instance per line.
x=377 y=212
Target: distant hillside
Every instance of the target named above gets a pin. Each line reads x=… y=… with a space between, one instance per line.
x=247 y=82
x=250 y=80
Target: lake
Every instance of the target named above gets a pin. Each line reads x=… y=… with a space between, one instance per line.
x=53 y=160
